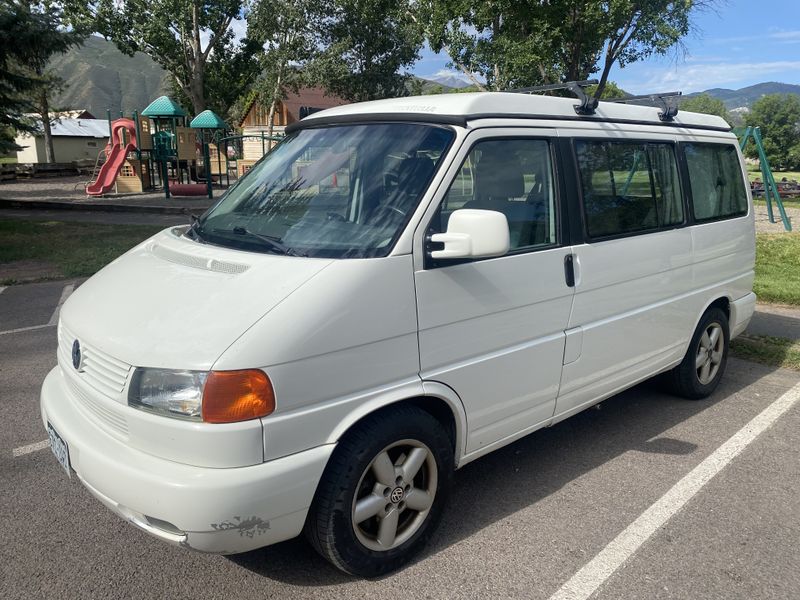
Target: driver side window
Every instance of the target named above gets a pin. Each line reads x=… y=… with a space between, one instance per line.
x=511 y=176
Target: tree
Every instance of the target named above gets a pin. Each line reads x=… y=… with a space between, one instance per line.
x=183 y=36
x=520 y=44
x=35 y=34
x=16 y=34
x=778 y=116
x=706 y=104
x=366 y=46
x=289 y=35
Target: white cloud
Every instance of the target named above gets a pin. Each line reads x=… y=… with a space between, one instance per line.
x=694 y=77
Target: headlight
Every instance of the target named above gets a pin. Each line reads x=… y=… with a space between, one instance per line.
x=170 y=393
x=213 y=397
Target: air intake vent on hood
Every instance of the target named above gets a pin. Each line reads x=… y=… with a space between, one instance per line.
x=198 y=262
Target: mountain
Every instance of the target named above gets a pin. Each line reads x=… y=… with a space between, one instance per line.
x=449 y=79
x=744 y=97
x=100 y=77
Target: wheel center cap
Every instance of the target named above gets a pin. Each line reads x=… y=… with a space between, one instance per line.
x=397 y=494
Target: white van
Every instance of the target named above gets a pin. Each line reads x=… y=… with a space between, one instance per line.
x=399 y=288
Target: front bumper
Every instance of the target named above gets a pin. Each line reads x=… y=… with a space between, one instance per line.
x=224 y=510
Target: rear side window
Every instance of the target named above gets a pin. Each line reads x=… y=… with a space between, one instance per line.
x=628 y=187
x=715 y=177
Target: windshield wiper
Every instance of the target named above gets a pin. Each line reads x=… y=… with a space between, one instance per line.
x=194 y=228
x=272 y=243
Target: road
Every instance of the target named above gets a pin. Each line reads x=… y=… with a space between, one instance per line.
x=591 y=503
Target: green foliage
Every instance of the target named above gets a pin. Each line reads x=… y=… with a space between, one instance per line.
x=706 y=104
x=30 y=34
x=289 y=34
x=777 y=276
x=519 y=44
x=28 y=37
x=186 y=37
x=367 y=45
x=611 y=91
x=778 y=116
x=74 y=249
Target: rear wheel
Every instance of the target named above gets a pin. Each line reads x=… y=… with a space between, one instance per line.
x=383 y=492
x=700 y=372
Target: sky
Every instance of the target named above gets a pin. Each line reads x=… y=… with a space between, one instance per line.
x=744 y=42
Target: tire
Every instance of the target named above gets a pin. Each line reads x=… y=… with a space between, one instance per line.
x=411 y=500
x=700 y=372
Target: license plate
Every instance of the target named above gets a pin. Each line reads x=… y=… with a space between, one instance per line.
x=59 y=448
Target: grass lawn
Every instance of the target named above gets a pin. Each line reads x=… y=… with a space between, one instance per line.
x=755 y=173
x=55 y=249
x=778 y=268
x=8 y=160
x=764 y=349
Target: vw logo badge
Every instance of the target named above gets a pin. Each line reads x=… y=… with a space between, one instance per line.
x=76 y=354
x=397 y=494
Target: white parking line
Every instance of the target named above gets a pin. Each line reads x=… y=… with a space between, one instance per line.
x=586 y=581
x=2 y=287
x=22 y=450
x=68 y=289
x=65 y=293
x=31 y=328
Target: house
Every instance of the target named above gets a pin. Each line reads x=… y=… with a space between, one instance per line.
x=73 y=139
x=294 y=107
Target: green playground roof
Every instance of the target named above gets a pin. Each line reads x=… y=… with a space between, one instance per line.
x=208 y=119
x=163 y=107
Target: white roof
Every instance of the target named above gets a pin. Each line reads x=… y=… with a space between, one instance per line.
x=94 y=128
x=510 y=105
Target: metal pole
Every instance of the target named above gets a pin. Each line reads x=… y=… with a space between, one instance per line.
x=207 y=165
x=138 y=136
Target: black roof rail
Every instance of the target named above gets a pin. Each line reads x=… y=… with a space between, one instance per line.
x=588 y=103
x=669 y=110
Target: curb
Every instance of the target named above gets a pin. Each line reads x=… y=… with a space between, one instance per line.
x=94 y=206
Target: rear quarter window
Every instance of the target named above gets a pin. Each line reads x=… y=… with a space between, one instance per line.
x=716 y=181
x=628 y=187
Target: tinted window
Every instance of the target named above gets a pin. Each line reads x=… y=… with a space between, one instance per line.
x=715 y=176
x=628 y=187
x=514 y=177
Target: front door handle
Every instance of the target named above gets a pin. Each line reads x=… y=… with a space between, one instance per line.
x=569 y=269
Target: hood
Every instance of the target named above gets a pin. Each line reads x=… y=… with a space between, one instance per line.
x=175 y=303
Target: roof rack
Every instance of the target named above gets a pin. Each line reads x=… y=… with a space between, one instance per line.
x=669 y=109
x=588 y=103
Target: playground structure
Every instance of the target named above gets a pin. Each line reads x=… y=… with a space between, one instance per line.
x=770 y=188
x=160 y=150
x=116 y=157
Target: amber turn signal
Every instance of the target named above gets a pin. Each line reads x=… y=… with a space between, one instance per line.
x=232 y=396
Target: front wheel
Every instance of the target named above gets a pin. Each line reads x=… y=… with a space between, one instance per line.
x=383 y=492
x=700 y=372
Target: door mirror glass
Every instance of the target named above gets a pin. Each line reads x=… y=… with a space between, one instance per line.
x=473 y=233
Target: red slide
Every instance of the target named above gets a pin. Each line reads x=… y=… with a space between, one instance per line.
x=110 y=169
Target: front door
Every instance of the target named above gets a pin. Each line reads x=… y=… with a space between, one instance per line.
x=493 y=329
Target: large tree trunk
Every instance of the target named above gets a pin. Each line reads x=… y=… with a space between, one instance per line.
x=271 y=117
x=44 y=112
x=197 y=91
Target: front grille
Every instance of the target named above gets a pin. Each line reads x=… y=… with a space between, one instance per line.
x=104 y=373
x=105 y=415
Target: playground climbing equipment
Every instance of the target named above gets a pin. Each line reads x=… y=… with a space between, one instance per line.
x=771 y=194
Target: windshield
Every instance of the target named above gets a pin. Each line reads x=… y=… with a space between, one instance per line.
x=337 y=192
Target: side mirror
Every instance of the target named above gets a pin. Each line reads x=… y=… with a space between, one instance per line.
x=473 y=233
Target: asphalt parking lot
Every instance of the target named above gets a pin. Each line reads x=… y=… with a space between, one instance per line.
x=648 y=496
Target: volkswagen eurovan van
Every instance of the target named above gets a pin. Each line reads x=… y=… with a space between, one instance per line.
x=399 y=288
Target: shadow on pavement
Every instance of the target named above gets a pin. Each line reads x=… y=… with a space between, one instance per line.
x=528 y=470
